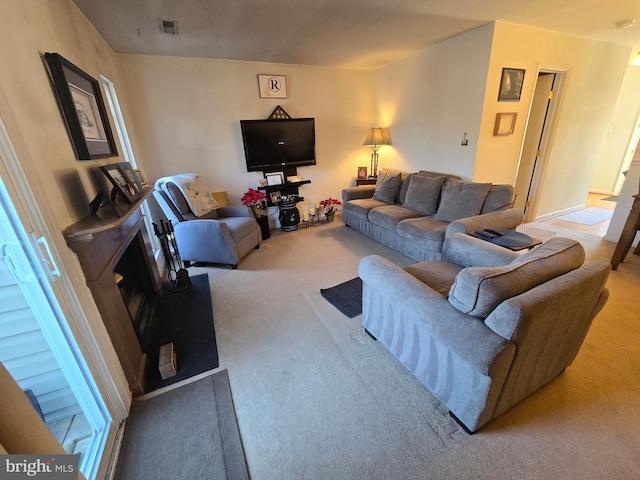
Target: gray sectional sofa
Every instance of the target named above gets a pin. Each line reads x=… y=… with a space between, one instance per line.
x=484 y=327
x=414 y=213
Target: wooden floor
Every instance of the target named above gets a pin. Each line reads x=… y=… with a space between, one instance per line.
x=600 y=229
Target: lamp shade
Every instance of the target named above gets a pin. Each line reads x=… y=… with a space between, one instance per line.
x=377 y=136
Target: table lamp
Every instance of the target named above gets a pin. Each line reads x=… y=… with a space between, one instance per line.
x=377 y=137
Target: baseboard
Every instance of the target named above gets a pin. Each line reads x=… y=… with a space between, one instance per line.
x=547 y=216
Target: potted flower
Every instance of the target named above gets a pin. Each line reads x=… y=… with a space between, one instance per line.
x=254 y=199
x=330 y=209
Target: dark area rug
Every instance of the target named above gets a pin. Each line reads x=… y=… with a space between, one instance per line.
x=346 y=297
x=186 y=320
x=190 y=432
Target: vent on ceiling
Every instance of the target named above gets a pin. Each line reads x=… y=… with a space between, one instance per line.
x=169 y=26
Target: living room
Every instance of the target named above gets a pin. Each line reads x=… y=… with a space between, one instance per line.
x=182 y=115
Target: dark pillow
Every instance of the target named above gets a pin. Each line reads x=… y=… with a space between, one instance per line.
x=461 y=200
x=404 y=186
x=423 y=194
x=387 y=187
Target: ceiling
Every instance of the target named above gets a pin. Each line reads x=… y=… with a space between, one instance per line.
x=362 y=34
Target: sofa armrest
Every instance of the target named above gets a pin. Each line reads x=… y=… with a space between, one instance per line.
x=509 y=218
x=468 y=251
x=235 y=211
x=353 y=193
x=393 y=289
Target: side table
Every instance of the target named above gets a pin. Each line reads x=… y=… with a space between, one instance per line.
x=365 y=181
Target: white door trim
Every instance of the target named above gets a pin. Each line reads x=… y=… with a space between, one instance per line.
x=74 y=298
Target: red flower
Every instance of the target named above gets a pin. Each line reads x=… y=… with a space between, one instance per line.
x=253 y=198
x=328 y=204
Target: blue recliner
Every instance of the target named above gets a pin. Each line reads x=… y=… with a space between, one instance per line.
x=223 y=235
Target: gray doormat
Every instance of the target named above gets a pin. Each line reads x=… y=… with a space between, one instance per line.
x=189 y=432
x=346 y=297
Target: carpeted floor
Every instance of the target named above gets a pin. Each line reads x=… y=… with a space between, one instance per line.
x=346 y=297
x=316 y=398
x=188 y=432
x=186 y=320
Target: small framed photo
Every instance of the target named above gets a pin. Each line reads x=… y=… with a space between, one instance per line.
x=120 y=184
x=511 y=85
x=275 y=178
x=362 y=172
x=272 y=86
x=130 y=176
x=505 y=123
x=275 y=197
x=140 y=177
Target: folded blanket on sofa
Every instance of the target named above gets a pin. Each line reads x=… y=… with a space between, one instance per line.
x=195 y=192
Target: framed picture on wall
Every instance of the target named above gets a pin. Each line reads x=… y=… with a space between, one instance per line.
x=505 y=123
x=272 y=86
x=83 y=110
x=511 y=85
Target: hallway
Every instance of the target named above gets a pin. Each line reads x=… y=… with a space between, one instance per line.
x=593 y=200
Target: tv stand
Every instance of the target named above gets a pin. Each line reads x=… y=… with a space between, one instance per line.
x=287 y=188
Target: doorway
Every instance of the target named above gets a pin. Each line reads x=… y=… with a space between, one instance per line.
x=537 y=143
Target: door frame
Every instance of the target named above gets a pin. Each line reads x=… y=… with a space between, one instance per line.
x=74 y=298
x=549 y=130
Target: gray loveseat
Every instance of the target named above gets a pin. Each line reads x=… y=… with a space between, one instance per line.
x=485 y=327
x=414 y=213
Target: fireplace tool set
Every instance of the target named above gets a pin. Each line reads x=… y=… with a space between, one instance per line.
x=178 y=275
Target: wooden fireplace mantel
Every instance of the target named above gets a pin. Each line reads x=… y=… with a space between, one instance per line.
x=99 y=240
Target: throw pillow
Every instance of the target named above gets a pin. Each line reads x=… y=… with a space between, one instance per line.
x=387 y=186
x=423 y=194
x=461 y=200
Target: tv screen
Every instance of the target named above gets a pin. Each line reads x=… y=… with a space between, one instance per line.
x=274 y=144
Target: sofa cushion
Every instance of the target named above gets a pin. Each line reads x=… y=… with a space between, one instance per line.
x=362 y=205
x=423 y=227
x=500 y=197
x=447 y=176
x=387 y=186
x=461 y=200
x=404 y=186
x=388 y=216
x=423 y=194
x=477 y=291
x=437 y=274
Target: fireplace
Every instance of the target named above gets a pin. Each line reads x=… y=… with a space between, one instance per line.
x=116 y=257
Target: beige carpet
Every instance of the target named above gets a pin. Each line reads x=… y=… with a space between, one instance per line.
x=316 y=398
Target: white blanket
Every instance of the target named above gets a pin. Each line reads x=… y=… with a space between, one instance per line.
x=195 y=191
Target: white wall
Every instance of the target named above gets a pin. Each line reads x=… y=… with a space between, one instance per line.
x=430 y=100
x=621 y=126
x=594 y=74
x=188 y=112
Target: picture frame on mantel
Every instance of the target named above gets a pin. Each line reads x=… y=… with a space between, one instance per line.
x=116 y=176
x=83 y=109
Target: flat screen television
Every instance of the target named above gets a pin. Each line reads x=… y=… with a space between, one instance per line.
x=278 y=144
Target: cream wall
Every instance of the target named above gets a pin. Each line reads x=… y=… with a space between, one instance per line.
x=618 y=135
x=29 y=30
x=430 y=100
x=594 y=74
x=188 y=113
